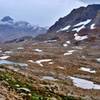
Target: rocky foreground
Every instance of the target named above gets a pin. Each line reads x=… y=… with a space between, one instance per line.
x=49 y=70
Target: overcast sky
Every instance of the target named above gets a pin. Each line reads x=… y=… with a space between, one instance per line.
x=39 y=12
x=91 y=1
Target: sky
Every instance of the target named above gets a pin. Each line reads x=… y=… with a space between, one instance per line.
x=39 y=12
x=91 y=1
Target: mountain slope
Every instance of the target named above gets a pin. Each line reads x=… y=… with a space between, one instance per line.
x=80 y=27
x=83 y=14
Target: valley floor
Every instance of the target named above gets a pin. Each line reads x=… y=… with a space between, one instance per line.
x=49 y=70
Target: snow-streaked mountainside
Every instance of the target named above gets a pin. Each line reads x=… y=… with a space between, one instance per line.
x=11 y=30
x=82 y=25
x=83 y=17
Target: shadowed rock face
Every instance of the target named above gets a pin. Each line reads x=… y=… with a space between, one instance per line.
x=76 y=16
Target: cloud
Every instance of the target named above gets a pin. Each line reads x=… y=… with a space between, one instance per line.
x=91 y=1
x=42 y=12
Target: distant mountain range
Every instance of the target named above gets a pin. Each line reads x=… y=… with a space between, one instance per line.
x=16 y=31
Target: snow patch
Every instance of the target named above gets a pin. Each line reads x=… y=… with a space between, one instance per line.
x=65 y=28
x=87 y=70
x=67 y=43
x=61 y=67
x=38 y=50
x=41 y=61
x=4 y=57
x=51 y=63
x=98 y=59
x=25 y=89
x=20 y=48
x=83 y=23
x=78 y=29
x=84 y=84
x=80 y=38
x=69 y=52
x=92 y=26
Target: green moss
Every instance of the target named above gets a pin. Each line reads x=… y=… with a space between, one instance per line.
x=15 y=83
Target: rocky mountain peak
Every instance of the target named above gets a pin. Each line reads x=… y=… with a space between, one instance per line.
x=7 y=19
x=77 y=16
